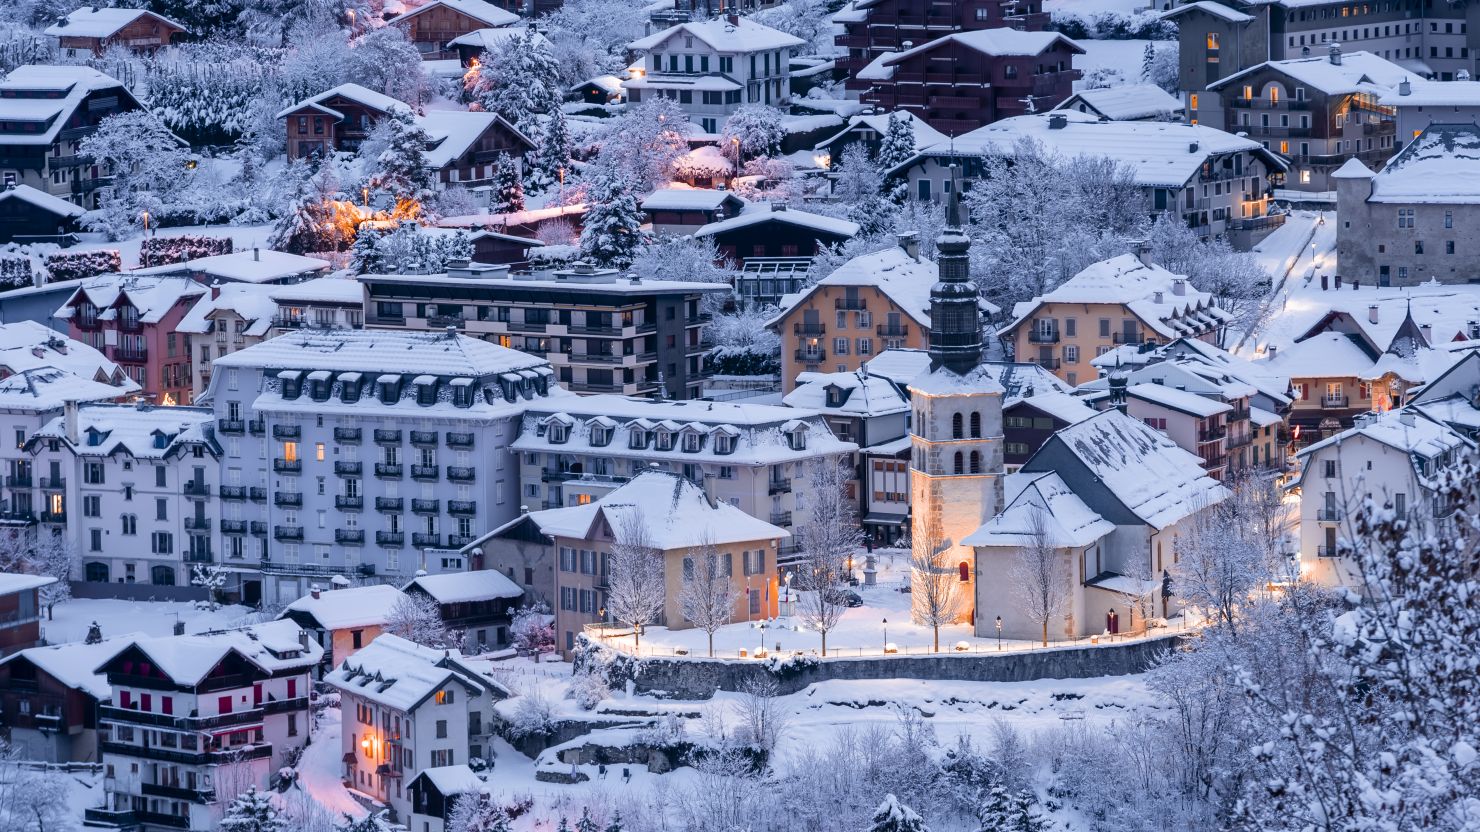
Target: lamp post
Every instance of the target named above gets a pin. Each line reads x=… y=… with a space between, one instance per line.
x=736 y=142
x=886 y=636
x=999 y=634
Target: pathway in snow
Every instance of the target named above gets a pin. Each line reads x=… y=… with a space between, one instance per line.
x=150 y=618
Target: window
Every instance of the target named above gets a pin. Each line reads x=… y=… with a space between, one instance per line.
x=1405 y=218
x=1448 y=246
x=444 y=697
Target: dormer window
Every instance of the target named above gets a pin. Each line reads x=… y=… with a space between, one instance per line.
x=506 y=385
x=637 y=439
x=389 y=389
x=601 y=436
x=349 y=389
x=834 y=396
x=319 y=385
x=558 y=434
x=693 y=442
x=94 y=437
x=462 y=392
x=724 y=443
x=426 y=390
x=796 y=435
x=664 y=440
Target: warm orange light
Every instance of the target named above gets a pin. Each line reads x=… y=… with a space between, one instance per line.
x=365 y=744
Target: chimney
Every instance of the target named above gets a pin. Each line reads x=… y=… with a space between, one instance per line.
x=215 y=289
x=303 y=639
x=1428 y=333
x=179 y=628
x=69 y=420
x=1057 y=121
x=1192 y=147
x=1142 y=250
x=1179 y=287
x=256 y=254
x=1335 y=54
x=732 y=18
x=1156 y=297
x=1372 y=313
x=909 y=241
x=1273 y=349
x=1405 y=87
x=315 y=592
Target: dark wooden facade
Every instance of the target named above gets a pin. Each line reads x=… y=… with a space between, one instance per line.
x=336 y=123
x=1024 y=430
x=25 y=221
x=148 y=33
x=774 y=237
x=36 y=709
x=20 y=621
x=887 y=25
x=433 y=25
x=502 y=249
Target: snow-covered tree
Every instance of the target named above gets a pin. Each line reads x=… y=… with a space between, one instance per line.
x=706 y=597
x=586 y=823
x=805 y=19
x=212 y=578
x=935 y=583
x=641 y=146
x=893 y=816
x=686 y=258
x=855 y=177
x=417 y=617
x=1039 y=585
x=508 y=190
x=896 y=148
x=407 y=247
x=1159 y=66
x=252 y=811
x=33 y=800
x=386 y=61
x=373 y=822
x=637 y=592
x=318 y=219
x=762 y=717
x=477 y=812
x=613 y=224
x=755 y=129
x=829 y=535
x=147 y=163
x=532 y=628
x=519 y=82
x=590 y=37
x=551 y=157
x=399 y=167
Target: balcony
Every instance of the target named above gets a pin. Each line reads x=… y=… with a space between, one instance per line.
x=197 y=488
x=1330 y=515
x=1133 y=338
x=197 y=524
x=233 y=527
x=421 y=506
x=809 y=329
x=1049 y=364
x=462 y=507
x=445 y=321
x=110 y=818
x=459 y=473
x=171 y=755
x=1239 y=440
x=425 y=472
x=810 y=356
x=288 y=466
x=596 y=358
x=348 y=469
x=893 y=331
x=387 y=437
x=287 y=432
x=256 y=427
x=54 y=516
x=288 y=499
x=779 y=487
x=781 y=518
x=459 y=440
x=345 y=502
x=1237 y=415
x=1334 y=400
x=851 y=304
x=233 y=492
x=389 y=470
x=257 y=493
x=18 y=481
x=347 y=434
x=426 y=540
x=287 y=532
x=353 y=537
x=457 y=541
x=390 y=539
x=54 y=483
x=178 y=793
x=424 y=437
x=1327 y=551
x=390 y=503
x=259 y=528
x=113 y=713
x=131 y=355
x=1212 y=434
x=231 y=425
x=526 y=326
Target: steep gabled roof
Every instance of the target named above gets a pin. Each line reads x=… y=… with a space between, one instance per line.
x=96 y=22
x=65 y=88
x=354 y=92
x=744 y=36
x=991 y=42
x=1047 y=506
x=401 y=674
x=1358 y=71
x=270 y=647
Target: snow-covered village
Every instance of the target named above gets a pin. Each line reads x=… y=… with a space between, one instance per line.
x=739 y=415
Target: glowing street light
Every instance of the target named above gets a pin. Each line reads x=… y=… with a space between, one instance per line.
x=999 y=634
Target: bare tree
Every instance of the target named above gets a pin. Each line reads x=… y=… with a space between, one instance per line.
x=762 y=720
x=637 y=594
x=213 y=578
x=1042 y=592
x=418 y=618
x=1223 y=558
x=50 y=555
x=935 y=583
x=707 y=595
x=828 y=538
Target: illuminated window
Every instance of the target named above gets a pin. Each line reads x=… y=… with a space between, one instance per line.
x=583 y=499
x=290 y=451
x=1274 y=95
x=318 y=451
x=1248 y=92
x=1192 y=101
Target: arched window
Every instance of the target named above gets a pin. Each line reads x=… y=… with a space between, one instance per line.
x=976 y=425
x=162 y=576
x=96 y=572
x=956 y=426
x=965 y=570
x=976 y=462
x=959 y=467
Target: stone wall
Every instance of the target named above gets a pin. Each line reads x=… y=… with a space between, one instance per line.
x=700 y=678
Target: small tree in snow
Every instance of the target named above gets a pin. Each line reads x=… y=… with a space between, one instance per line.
x=893 y=816
x=385 y=60
x=551 y=158
x=399 y=166
x=1159 y=66
x=707 y=595
x=417 y=617
x=373 y=822
x=317 y=220
x=755 y=129
x=508 y=190
x=147 y=164
x=828 y=537
x=613 y=229
x=896 y=148
x=519 y=82
x=532 y=629
x=477 y=812
x=1041 y=591
x=637 y=593
x=211 y=577
x=762 y=719
x=935 y=582
x=252 y=811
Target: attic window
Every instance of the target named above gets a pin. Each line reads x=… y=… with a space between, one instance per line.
x=664 y=441
x=601 y=436
x=462 y=392
x=390 y=389
x=637 y=439
x=558 y=434
x=292 y=387
x=349 y=391
x=724 y=444
x=426 y=390
x=161 y=440
x=797 y=439
x=507 y=386
x=94 y=436
x=834 y=396
x=693 y=442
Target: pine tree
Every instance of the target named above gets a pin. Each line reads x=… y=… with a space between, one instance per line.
x=1025 y=816
x=370 y=823
x=616 y=823
x=313 y=222
x=874 y=215
x=508 y=191
x=893 y=816
x=1148 y=61
x=552 y=158
x=896 y=148
x=564 y=825
x=401 y=169
x=586 y=824
x=518 y=83
x=613 y=228
x=252 y=811
x=995 y=814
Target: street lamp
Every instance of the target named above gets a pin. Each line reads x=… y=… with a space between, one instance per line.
x=886 y=635
x=999 y=634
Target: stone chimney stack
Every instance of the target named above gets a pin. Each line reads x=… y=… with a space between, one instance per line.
x=69 y=420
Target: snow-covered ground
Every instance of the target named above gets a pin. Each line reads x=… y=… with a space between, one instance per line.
x=1124 y=56
x=151 y=618
x=1086 y=8
x=242 y=237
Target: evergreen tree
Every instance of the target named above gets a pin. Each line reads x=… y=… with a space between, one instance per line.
x=893 y=816
x=586 y=824
x=1025 y=816
x=564 y=825
x=552 y=157
x=508 y=191
x=401 y=169
x=616 y=823
x=370 y=823
x=896 y=148
x=313 y=223
x=613 y=229
x=874 y=215
x=252 y=811
x=996 y=813
x=1148 y=61
x=477 y=812
x=518 y=83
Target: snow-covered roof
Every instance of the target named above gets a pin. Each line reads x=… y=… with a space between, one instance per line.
x=763 y=213
x=41 y=199
x=1163 y=301
x=1408 y=430
x=925 y=135
x=1071 y=409
x=48 y=388
x=339 y=609
x=29 y=345
x=1159 y=154
x=258 y=265
x=982 y=379
x=688 y=199
x=454 y=132
x=75 y=664
x=248 y=300
x=479 y=10
x=1127 y=102
x=1441 y=165
x=383 y=351
x=64 y=87
x=671 y=511
x=492 y=40
x=327 y=289
x=273 y=647
x=451 y=780
x=1045 y=505
x=459 y=587
x=1325 y=355
x=97 y=22
x=1425 y=93
x=12 y=583
x=900 y=366
x=152 y=295
x=354 y=92
x=1181 y=400
x=142 y=431
x=1153 y=478
x=742 y=37
x=401 y=674
x=1218 y=10
x=991 y=42
x=1358 y=72
x=862 y=394
x=905 y=280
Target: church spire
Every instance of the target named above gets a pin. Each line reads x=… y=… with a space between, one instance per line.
x=955 y=318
